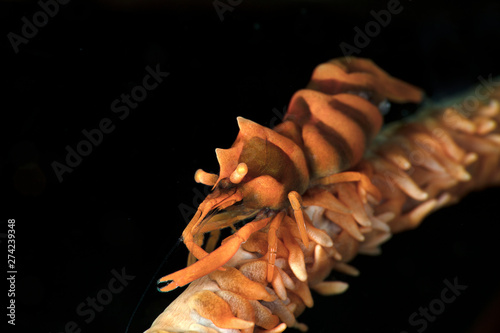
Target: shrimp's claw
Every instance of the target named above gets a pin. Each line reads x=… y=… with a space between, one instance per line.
x=214 y=260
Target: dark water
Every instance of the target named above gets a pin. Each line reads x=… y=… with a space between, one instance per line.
x=89 y=241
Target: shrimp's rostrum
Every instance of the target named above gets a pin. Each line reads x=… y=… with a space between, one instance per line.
x=316 y=190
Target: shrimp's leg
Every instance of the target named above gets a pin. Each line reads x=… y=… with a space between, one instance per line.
x=214 y=260
x=296 y=202
x=350 y=176
x=214 y=200
x=272 y=241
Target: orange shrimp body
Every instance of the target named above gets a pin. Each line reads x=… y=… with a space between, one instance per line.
x=325 y=131
x=331 y=122
x=314 y=192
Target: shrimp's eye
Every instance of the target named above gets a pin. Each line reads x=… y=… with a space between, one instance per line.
x=225 y=184
x=239 y=173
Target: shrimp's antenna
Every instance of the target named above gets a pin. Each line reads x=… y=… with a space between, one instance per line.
x=151 y=282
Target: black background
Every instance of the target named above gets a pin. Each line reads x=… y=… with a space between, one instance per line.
x=120 y=207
